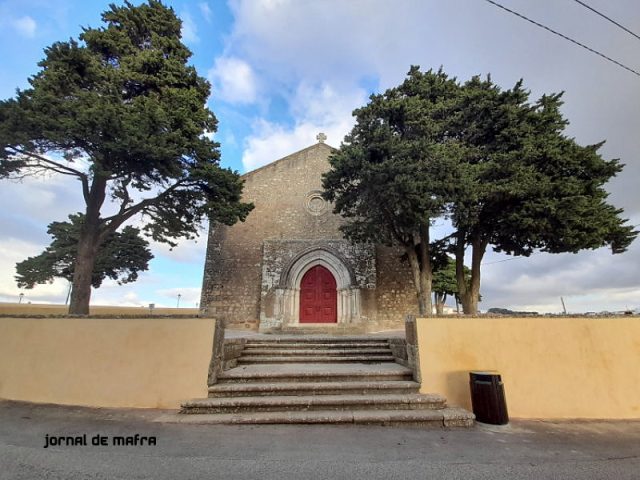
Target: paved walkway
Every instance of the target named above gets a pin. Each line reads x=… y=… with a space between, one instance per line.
x=522 y=450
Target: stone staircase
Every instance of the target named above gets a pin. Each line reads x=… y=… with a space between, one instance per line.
x=320 y=380
x=310 y=350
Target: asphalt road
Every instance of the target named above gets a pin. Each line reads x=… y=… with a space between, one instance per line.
x=521 y=450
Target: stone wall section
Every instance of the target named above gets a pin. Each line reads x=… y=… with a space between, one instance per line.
x=395 y=293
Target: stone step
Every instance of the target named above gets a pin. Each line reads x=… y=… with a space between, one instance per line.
x=311 y=388
x=323 y=329
x=276 y=352
x=314 y=345
x=315 y=339
x=288 y=403
x=444 y=418
x=317 y=359
x=325 y=372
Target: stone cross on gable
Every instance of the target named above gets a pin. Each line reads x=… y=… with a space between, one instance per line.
x=321 y=137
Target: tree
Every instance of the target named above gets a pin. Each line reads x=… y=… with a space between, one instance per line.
x=528 y=186
x=121 y=257
x=391 y=176
x=122 y=112
x=445 y=283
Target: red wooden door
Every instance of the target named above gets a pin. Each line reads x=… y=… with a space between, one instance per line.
x=318 y=296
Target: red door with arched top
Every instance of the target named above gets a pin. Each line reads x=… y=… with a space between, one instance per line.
x=318 y=296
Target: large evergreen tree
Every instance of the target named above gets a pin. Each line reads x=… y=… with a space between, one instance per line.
x=121 y=111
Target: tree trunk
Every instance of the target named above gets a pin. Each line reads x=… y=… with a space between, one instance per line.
x=421 y=270
x=88 y=245
x=82 y=274
x=472 y=295
x=426 y=273
x=439 y=300
x=415 y=270
x=469 y=293
x=463 y=288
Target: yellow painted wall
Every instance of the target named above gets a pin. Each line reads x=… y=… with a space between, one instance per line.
x=551 y=367
x=154 y=363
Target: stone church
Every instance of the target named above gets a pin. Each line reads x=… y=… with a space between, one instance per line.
x=288 y=266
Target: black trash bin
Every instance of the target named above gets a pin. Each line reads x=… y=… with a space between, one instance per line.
x=487 y=398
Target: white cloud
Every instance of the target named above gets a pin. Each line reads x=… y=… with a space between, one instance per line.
x=14 y=250
x=25 y=26
x=189 y=28
x=43 y=198
x=329 y=40
x=205 y=9
x=316 y=109
x=186 y=251
x=324 y=104
x=588 y=281
x=234 y=80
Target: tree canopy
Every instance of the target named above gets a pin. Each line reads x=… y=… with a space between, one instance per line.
x=121 y=257
x=498 y=167
x=121 y=111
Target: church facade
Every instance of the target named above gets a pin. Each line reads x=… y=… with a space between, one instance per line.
x=288 y=265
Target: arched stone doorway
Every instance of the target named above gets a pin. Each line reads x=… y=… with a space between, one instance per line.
x=318 y=296
x=288 y=298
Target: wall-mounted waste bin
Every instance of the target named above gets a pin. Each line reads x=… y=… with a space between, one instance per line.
x=487 y=398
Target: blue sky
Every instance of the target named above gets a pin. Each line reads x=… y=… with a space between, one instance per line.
x=284 y=70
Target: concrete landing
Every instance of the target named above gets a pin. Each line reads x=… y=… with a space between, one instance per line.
x=303 y=370
x=311 y=388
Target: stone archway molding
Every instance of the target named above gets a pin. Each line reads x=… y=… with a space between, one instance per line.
x=298 y=266
x=288 y=291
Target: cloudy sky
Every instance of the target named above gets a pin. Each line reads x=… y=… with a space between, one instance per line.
x=284 y=70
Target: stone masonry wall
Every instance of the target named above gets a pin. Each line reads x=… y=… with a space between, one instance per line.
x=395 y=293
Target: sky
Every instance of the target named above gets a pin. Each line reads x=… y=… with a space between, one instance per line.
x=284 y=70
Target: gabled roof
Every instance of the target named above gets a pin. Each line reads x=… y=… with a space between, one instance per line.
x=289 y=157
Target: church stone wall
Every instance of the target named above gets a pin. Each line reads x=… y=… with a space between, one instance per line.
x=243 y=261
x=396 y=295
x=282 y=193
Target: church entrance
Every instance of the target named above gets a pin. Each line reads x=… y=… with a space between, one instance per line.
x=318 y=296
